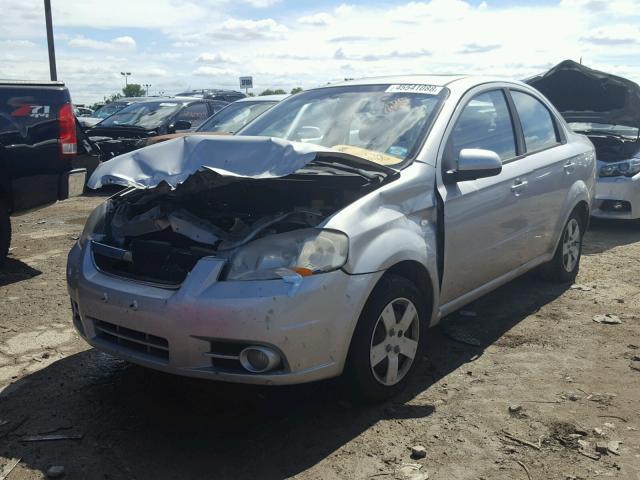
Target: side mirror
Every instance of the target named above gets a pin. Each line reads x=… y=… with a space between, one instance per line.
x=475 y=163
x=179 y=125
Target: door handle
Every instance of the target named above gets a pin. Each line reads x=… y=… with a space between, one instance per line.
x=568 y=166
x=518 y=186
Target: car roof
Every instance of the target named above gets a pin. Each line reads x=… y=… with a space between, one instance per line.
x=214 y=91
x=263 y=98
x=465 y=81
x=164 y=99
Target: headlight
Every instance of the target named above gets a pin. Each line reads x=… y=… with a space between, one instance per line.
x=627 y=168
x=303 y=252
x=95 y=223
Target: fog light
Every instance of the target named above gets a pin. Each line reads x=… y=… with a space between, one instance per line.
x=259 y=359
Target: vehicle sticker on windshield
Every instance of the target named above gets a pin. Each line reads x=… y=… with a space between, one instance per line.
x=414 y=88
x=168 y=104
x=397 y=151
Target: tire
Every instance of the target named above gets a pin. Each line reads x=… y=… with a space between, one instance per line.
x=5 y=233
x=564 y=266
x=381 y=325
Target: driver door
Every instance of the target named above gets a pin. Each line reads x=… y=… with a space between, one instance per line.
x=484 y=222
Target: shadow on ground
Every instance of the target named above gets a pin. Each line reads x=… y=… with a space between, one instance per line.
x=13 y=270
x=138 y=423
x=604 y=235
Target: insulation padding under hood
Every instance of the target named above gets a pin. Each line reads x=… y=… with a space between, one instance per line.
x=582 y=94
x=175 y=160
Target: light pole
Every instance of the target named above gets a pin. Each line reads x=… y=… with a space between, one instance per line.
x=52 y=50
x=125 y=75
x=146 y=85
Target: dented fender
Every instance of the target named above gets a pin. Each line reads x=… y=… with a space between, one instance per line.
x=395 y=223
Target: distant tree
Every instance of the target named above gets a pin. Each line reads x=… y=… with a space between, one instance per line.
x=296 y=90
x=133 y=90
x=278 y=91
x=113 y=97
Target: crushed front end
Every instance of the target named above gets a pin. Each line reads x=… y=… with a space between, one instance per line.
x=225 y=276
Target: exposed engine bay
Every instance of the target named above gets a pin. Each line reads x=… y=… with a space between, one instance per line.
x=611 y=148
x=112 y=142
x=159 y=234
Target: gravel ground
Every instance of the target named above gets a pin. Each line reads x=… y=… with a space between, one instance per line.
x=572 y=384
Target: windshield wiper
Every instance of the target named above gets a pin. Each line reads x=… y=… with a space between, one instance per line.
x=601 y=132
x=126 y=125
x=371 y=176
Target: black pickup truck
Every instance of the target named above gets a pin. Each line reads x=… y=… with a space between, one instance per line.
x=40 y=140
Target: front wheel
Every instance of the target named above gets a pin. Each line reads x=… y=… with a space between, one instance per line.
x=564 y=266
x=388 y=341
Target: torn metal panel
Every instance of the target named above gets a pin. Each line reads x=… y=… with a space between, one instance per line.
x=175 y=160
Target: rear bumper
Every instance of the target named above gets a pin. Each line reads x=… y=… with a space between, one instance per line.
x=610 y=191
x=37 y=191
x=310 y=324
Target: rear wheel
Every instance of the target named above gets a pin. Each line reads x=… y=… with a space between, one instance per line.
x=564 y=266
x=388 y=340
x=5 y=233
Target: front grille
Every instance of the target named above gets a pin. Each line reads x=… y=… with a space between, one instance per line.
x=140 y=342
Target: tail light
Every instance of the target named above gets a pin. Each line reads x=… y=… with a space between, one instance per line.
x=67 y=137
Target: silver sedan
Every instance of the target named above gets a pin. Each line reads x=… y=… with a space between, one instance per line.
x=328 y=235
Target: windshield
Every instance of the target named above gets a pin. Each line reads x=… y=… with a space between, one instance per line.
x=620 y=130
x=107 y=110
x=232 y=118
x=381 y=123
x=145 y=114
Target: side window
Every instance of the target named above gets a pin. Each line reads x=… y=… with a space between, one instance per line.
x=536 y=120
x=196 y=114
x=484 y=123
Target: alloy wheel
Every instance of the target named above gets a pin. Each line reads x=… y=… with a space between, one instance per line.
x=571 y=245
x=394 y=343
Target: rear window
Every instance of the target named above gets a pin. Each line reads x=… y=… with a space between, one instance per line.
x=29 y=114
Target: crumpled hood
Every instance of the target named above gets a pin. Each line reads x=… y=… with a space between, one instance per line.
x=175 y=160
x=582 y=94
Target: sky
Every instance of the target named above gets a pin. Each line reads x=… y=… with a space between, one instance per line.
x=179 y=44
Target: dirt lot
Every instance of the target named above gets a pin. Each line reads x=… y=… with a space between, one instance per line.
x=529 y=345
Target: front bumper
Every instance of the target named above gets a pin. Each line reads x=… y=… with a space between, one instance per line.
x=610 y=190
x=175 y=331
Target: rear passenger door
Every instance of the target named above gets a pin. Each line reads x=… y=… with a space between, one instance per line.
x=551 y=170
x=485 y=224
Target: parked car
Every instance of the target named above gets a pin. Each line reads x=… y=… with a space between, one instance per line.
x=606 y=108
x=39 y=142
x=82 y=111
x=213 y=94
x=108 y=110
x=326 y=236
x=230 y=119
x=129 y=128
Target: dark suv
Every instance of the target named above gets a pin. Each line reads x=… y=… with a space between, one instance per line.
x=39 y=143
x=128 y=129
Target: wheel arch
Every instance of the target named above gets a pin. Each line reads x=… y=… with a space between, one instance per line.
x=417 y=274
x=578 y=198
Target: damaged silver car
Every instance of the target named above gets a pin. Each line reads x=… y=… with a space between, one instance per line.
x=328 y=235
x=605 y=108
